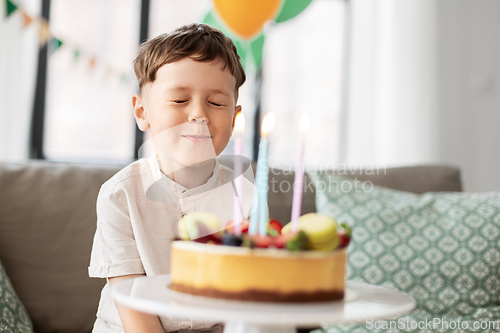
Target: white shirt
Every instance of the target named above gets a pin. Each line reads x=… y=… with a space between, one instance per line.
x=137 y=217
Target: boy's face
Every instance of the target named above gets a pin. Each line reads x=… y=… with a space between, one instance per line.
x=190 y=109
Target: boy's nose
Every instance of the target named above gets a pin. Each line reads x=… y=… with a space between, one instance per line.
x=197 y=114
x=198 y=120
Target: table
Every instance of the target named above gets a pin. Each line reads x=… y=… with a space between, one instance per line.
x=362 y=301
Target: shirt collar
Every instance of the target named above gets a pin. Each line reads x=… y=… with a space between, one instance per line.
x=171 y=189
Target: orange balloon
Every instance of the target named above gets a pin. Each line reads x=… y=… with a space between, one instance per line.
x=246 y=18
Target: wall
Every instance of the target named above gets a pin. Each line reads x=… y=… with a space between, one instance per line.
x=469 y=89
x=425 y=86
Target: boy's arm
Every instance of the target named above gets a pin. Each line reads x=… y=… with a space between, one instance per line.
x=133 y=320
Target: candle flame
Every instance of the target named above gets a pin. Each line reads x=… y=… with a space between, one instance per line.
x=268 y=123
x=304 y=123
x=239 y=123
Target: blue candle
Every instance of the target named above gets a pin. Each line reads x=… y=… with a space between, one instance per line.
x=258 y=220
x=254 y=218
x=264 y=147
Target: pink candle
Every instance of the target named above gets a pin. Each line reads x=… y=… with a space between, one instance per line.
x=298 y=183
x=238 y=172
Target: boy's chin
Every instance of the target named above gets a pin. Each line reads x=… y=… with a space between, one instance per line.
x=199 y=164
x=196 y=158
x=175 y=163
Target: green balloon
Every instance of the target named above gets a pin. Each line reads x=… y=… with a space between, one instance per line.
x=212 y=20
x=291 y=8
x=257 y=47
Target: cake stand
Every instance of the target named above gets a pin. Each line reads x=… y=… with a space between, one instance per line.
x=362 y=301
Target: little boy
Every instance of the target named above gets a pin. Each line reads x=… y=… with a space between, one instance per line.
x=189 y=81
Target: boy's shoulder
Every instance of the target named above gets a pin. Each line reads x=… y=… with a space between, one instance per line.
x=131 y=175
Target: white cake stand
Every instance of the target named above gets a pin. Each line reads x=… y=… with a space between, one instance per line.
x=362 y=301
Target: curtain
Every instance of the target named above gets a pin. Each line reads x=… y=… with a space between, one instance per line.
x=392 y=100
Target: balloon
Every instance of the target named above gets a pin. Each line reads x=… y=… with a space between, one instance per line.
x=256 y=47
x=246 y=18
x=212 y=20
x=291 y=8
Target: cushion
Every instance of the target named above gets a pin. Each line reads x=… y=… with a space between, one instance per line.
x=442 y=249
x=13 y=315
x=417 y=179
x=47 y=223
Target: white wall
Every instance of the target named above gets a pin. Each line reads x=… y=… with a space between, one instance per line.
x=425 y=86
x=469 y=89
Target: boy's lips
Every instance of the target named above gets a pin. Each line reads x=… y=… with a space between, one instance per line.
x=196 y=138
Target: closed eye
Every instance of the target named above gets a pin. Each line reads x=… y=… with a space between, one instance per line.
x=215 y=104
x=180 y=101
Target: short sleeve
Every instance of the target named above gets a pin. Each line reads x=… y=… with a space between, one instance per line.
x=114 y=252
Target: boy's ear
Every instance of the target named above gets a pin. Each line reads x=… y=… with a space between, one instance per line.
x=140 y=112
x=237 y=110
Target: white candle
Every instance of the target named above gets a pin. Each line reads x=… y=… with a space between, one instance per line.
x=238 y=173
x=298 y=183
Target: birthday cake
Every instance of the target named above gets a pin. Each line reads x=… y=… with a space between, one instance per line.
x=306 y=264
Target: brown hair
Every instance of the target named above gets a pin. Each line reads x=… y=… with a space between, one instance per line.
x=199 y=40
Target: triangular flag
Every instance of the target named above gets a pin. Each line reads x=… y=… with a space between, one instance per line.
x=44 y=32
x=56 y=43
x=10 y=7
x=27 y=20
x=92 y=63
x=109 y=71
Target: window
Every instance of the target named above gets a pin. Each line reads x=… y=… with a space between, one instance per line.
x=88 y=115
x=302 y=72
x=90 y=80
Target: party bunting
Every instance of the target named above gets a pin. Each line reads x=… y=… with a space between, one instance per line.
x=27 y=20
x=44 y=32
x=92 y=62
x=110 y=71
x=56 y=43
x=10 y=7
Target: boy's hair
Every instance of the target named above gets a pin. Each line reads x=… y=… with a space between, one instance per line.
x=198 y=41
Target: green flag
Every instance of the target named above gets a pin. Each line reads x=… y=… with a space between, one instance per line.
x=10 y=7
x=56 y=43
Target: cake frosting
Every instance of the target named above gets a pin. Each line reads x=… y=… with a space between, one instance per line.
x=272 y=275
x=206 y=267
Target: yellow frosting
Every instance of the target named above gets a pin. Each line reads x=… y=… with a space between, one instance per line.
x=234 y=269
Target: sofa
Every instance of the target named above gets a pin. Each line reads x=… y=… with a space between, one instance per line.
x=48 y=219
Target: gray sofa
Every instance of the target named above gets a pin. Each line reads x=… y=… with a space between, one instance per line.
x=48 y=219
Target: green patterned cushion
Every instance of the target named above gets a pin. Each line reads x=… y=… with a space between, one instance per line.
x=442 y=248
x=13 y=316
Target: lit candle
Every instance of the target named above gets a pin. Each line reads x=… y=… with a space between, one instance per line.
x=239 y=126
x=298 y=183
x=258 y=219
